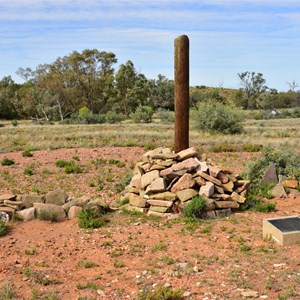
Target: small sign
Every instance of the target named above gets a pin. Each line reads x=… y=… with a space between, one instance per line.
x=284 y=230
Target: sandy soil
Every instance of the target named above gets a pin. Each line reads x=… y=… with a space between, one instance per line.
x=217 y=259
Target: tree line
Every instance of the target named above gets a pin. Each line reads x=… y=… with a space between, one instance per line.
x=87 y=82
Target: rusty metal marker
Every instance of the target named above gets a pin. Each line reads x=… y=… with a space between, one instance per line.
x=284 y=230
x=181 y=61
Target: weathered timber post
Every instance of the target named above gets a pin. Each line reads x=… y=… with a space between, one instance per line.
x=181 y=58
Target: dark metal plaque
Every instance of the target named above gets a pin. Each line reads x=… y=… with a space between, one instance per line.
x=287 y=225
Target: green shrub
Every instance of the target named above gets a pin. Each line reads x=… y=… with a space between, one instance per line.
x=14 y=123
x=73 y=168
x=8 y=291
x=7 y=162
x=28 y=172
x=90 y=218
x=265 y=207
x=194 y=209
x=252 y=147
x=3 y=228
x=161 y=293
x=62 y=163
x=166 y=116
x=143 y=114
x=112 y=117
x=86 y=116
x=217 y=118
x=27 y=153
x=287 y=163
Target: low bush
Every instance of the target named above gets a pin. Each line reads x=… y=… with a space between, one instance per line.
x=216 y=117
x=161 y=293
x=112 y=117
x=73 y=168
x=7 y=162
x=166 y=116
x=265 y=207
x=143 y=114
x=287 y=164
x=194 y=208
x=62 y=163
x=90 y=218
x=27 y=153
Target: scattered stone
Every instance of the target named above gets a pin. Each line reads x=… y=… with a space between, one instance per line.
x=270 y=175
x=278 y=191
x=136 y=200
x=226 y=204
x=164 y=196
x=29 y=200
x=249 y=294
x=156 y=186
x=57 y=197
x=228 y=187
x=50 y=212
x=222 y=177
x=186 y=181
x=160 y=209
x=26 y=214
x=160 y=202
x=187 y=165
x=290 y=183
x=214 y=171
x=209 y=178
x=74 y=211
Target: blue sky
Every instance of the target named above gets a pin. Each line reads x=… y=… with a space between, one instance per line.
x=226 y=36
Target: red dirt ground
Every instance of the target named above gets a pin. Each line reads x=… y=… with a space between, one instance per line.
x=217 y=259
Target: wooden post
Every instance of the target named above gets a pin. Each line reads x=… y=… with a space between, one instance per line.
x=181 y=58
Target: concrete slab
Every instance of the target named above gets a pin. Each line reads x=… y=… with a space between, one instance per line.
x=284 y=230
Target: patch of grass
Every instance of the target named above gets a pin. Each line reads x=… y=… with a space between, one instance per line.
x=245 y=248
x=73 y=168
x=265 y=207
x=28 y=171
x=90 y=218
x=119 y=264
x=161 y=293
x=62 y=163
x=88 y=285
x=7 y=162
x=161 y=246
x=27 y=153
x=86 y=264
x=167 y=260
x=30 y=252
x=194 y=209
x=3 y=228
x=8 y=291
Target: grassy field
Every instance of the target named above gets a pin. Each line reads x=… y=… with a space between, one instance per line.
x=35 y=137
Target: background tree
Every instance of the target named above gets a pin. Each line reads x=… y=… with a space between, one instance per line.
x=253 y=86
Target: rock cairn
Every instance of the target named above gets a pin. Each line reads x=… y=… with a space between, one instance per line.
x=55 y=205
x=165 y=182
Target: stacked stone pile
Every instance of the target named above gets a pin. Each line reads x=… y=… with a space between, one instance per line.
x=55 y=205
x=164 y=182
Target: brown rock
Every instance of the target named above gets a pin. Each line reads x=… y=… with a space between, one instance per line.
x=187 y=164
x=8 y=210
x=187 y=194
x=136 y=200
x=7 y=197
x=26 y=214
x=156 y=186
x=57 y=197
x=50 y=212
x=214 y=171
x=157 y=167
x=199 y=180
x=219 y=189
x=290 y=183
x=226 y=204
x=207 y=189
x=136 y=181
x=187 y=153
x=223 y=213
x=28 y=200
x=147 y=178
x=185 y=182
x=160 y=209
x=237 y=198
x=270 y=175
x=164 y=196
x=203 y=166
x=209 y=178
x=158 y=214
x=163 y=203
x=74 y=211
x=209 y=204
x=228 y=187
x=223 y=177
x=278 y=191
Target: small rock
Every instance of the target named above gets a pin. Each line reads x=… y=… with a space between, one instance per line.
x=250 y=294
